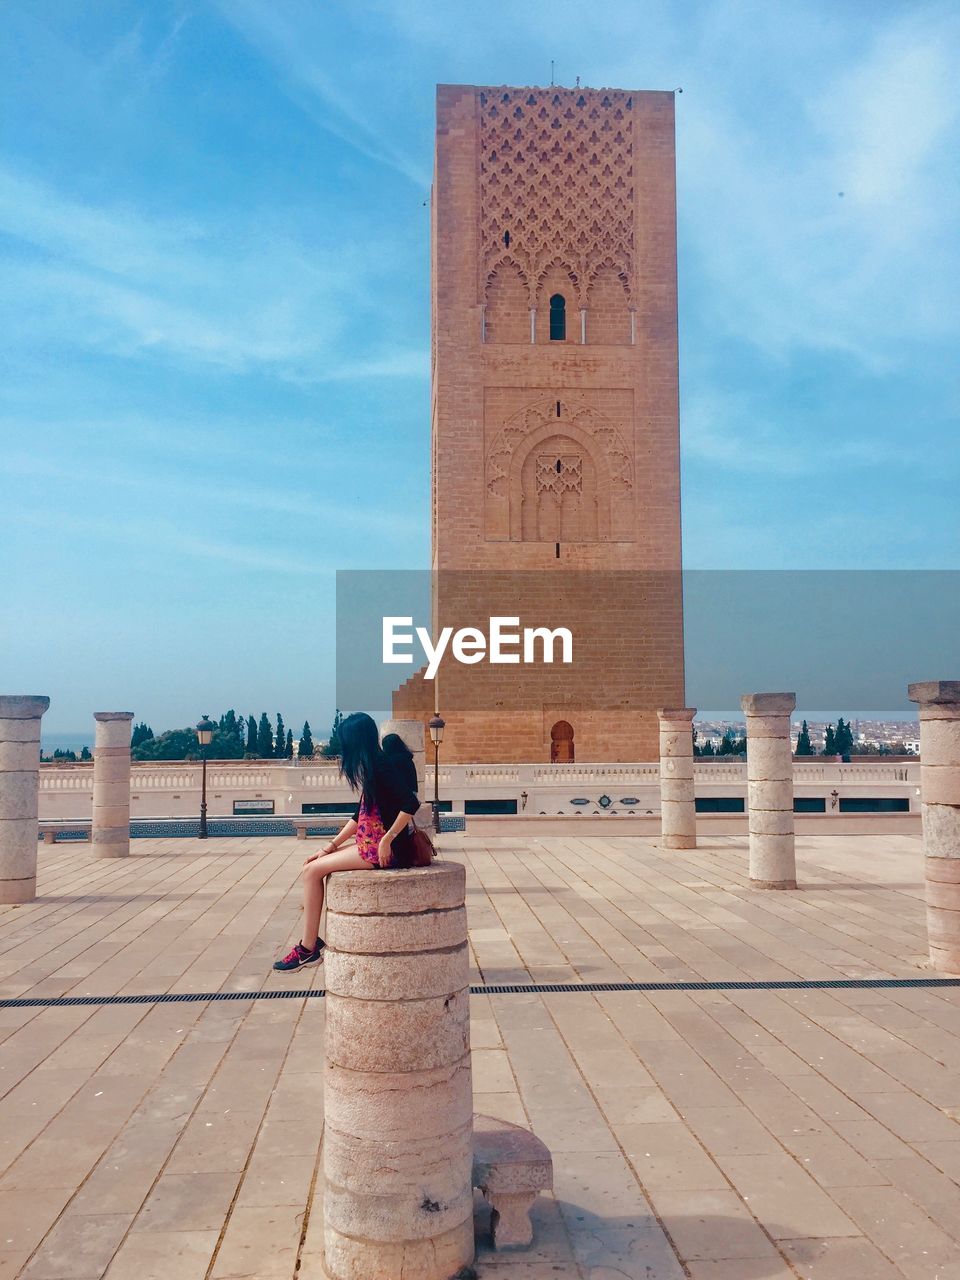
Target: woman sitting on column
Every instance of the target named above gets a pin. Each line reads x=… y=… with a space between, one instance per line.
x=377 y=835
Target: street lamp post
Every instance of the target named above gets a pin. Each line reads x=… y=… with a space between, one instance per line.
x=436 y=727
x=204 y=737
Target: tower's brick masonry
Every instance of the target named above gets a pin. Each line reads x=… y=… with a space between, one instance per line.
x=555 y=435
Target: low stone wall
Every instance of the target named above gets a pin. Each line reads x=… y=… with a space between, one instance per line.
x=173 y=790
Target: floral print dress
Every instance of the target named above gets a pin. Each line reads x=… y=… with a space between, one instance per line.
x=370 y=831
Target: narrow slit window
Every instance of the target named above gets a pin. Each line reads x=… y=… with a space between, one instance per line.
x=557 y=545
x=558 y=408
x=506 y=239
x=558 y=318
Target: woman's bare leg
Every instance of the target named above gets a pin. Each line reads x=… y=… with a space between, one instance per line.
x=314 y=875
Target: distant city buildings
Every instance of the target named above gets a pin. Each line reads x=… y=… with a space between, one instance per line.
x=871 y=737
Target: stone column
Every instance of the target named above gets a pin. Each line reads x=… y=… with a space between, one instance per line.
x=940 y=808
x=678 y=813
x=398 y=1097
x=111 y=784
x=19 y=795
x=770 y=789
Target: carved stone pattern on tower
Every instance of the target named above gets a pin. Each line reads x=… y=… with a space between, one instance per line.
x=575 y=419
x=559 y=475
x=556 y=185
x=564 y=476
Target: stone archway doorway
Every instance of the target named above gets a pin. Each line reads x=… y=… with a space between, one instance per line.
x=561 y=743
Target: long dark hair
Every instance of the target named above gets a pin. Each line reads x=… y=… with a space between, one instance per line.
x=360 y=750
x=395 y=747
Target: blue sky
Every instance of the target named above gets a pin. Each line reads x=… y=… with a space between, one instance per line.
x=214 y=299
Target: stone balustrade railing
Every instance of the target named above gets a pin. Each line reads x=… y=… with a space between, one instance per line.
x=160 y=789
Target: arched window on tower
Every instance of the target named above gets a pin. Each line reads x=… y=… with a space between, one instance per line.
x=561 y=743
x=558 y=318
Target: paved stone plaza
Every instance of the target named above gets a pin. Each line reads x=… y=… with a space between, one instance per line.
x=717 y=1134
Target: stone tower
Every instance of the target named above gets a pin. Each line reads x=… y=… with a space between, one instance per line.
x=555 y=433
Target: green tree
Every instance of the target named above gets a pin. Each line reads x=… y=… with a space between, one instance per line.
x=85 y=754
x=333 y=749
x=843 y=738
x=804 y=745
x=280 y=741
x=288 y=746
x=141 y=733
x=829 y=742
x=730 y=744
x=305 y=750
x=226 y=746
x=175 y=744
x=251 y=736
x=264 y=737
x=228 y=738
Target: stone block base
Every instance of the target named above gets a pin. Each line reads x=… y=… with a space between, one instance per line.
x=943 y=913
x=14 y=892
x=678 y=842
x=439 y=1258
x=946 y=961
x=101 y=850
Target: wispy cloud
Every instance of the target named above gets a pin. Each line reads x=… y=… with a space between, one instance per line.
x=140 y=60
x=119 y=241
x=166 y=541
x=294 y=38
x=825 y=242
x=736 y=432
x=113 y=279
x=148 y=486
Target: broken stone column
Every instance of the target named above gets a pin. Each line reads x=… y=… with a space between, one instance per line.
x=939 y=702
x=19 y=795
x=770 y=789
x=111 y=784
x=398 y=1097
x=678 y=814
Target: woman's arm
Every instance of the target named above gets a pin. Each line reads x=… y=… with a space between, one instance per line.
x=343 y=835
x=348 y=829
x=384 y=849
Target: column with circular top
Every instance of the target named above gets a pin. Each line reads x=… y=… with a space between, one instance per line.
x=770 y=789
x=111 y=784
x=939 y=702
x=19 y=795
x=398 y=1095
x=678 y=811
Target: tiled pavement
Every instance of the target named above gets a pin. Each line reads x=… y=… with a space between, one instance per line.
x=718 y=1135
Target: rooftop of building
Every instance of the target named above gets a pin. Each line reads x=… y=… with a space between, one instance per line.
x=699 y=1128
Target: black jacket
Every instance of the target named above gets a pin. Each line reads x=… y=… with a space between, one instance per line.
x=406 y=770
x=393 y=793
